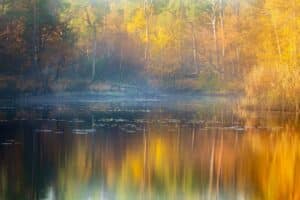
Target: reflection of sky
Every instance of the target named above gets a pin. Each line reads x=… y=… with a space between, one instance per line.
x=101 y=194
x=50 y=194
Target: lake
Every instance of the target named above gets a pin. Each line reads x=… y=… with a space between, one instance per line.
x=190 y=148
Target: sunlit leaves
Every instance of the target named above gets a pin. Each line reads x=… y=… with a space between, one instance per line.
x=161 y=38
x=277 y=57
x=137 y=22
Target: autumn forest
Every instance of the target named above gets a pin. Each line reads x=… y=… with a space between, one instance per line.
x=247 y=47
x=149 y=99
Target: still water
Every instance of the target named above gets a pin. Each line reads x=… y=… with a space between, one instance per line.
x=187 y=149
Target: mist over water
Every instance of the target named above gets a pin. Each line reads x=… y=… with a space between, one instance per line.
x=163 y=149
x=146 y=100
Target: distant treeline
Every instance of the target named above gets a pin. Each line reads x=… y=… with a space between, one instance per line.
x=204 y=45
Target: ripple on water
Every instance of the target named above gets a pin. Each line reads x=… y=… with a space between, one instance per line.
x=43 y=131
x=83 y=131
x=77 y=121
x=6 y=143
x=7 y=108
x=10 y=142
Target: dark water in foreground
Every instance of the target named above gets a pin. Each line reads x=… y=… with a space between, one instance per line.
x=196 y=149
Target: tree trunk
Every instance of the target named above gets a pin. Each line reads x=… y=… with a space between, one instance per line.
x=222 y=27
x=221 y=16
x=237 y=48
x=146 y=50
x=195 y=60
x=121 y=67
x=94 y=56
x=35 y=35
x=277 y=40
x=3 y=6
x=94 y=40
x=295 y=44
x=213 y=23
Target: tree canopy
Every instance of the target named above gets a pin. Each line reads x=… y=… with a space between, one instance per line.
x=208 y=45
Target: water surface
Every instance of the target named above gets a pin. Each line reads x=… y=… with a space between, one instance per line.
x=137 y=149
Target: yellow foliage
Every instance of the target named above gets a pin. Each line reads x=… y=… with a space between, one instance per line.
x=161 y=38
x=137 y=23
x=274 y=83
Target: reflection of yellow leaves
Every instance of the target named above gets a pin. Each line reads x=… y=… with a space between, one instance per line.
x=83 y=163
x=266 y=163
x=137 y=168
x=132 y=168
x=158 y=151
x=281 y=177
x=273 y=164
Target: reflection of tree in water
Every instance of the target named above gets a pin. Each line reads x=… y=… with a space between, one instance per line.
x=167 y=160
x=257 y=164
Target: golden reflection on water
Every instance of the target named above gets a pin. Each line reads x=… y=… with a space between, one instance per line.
x=214 y=164
x=163 y=162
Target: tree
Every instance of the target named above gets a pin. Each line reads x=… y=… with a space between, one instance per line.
x=87 y=21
